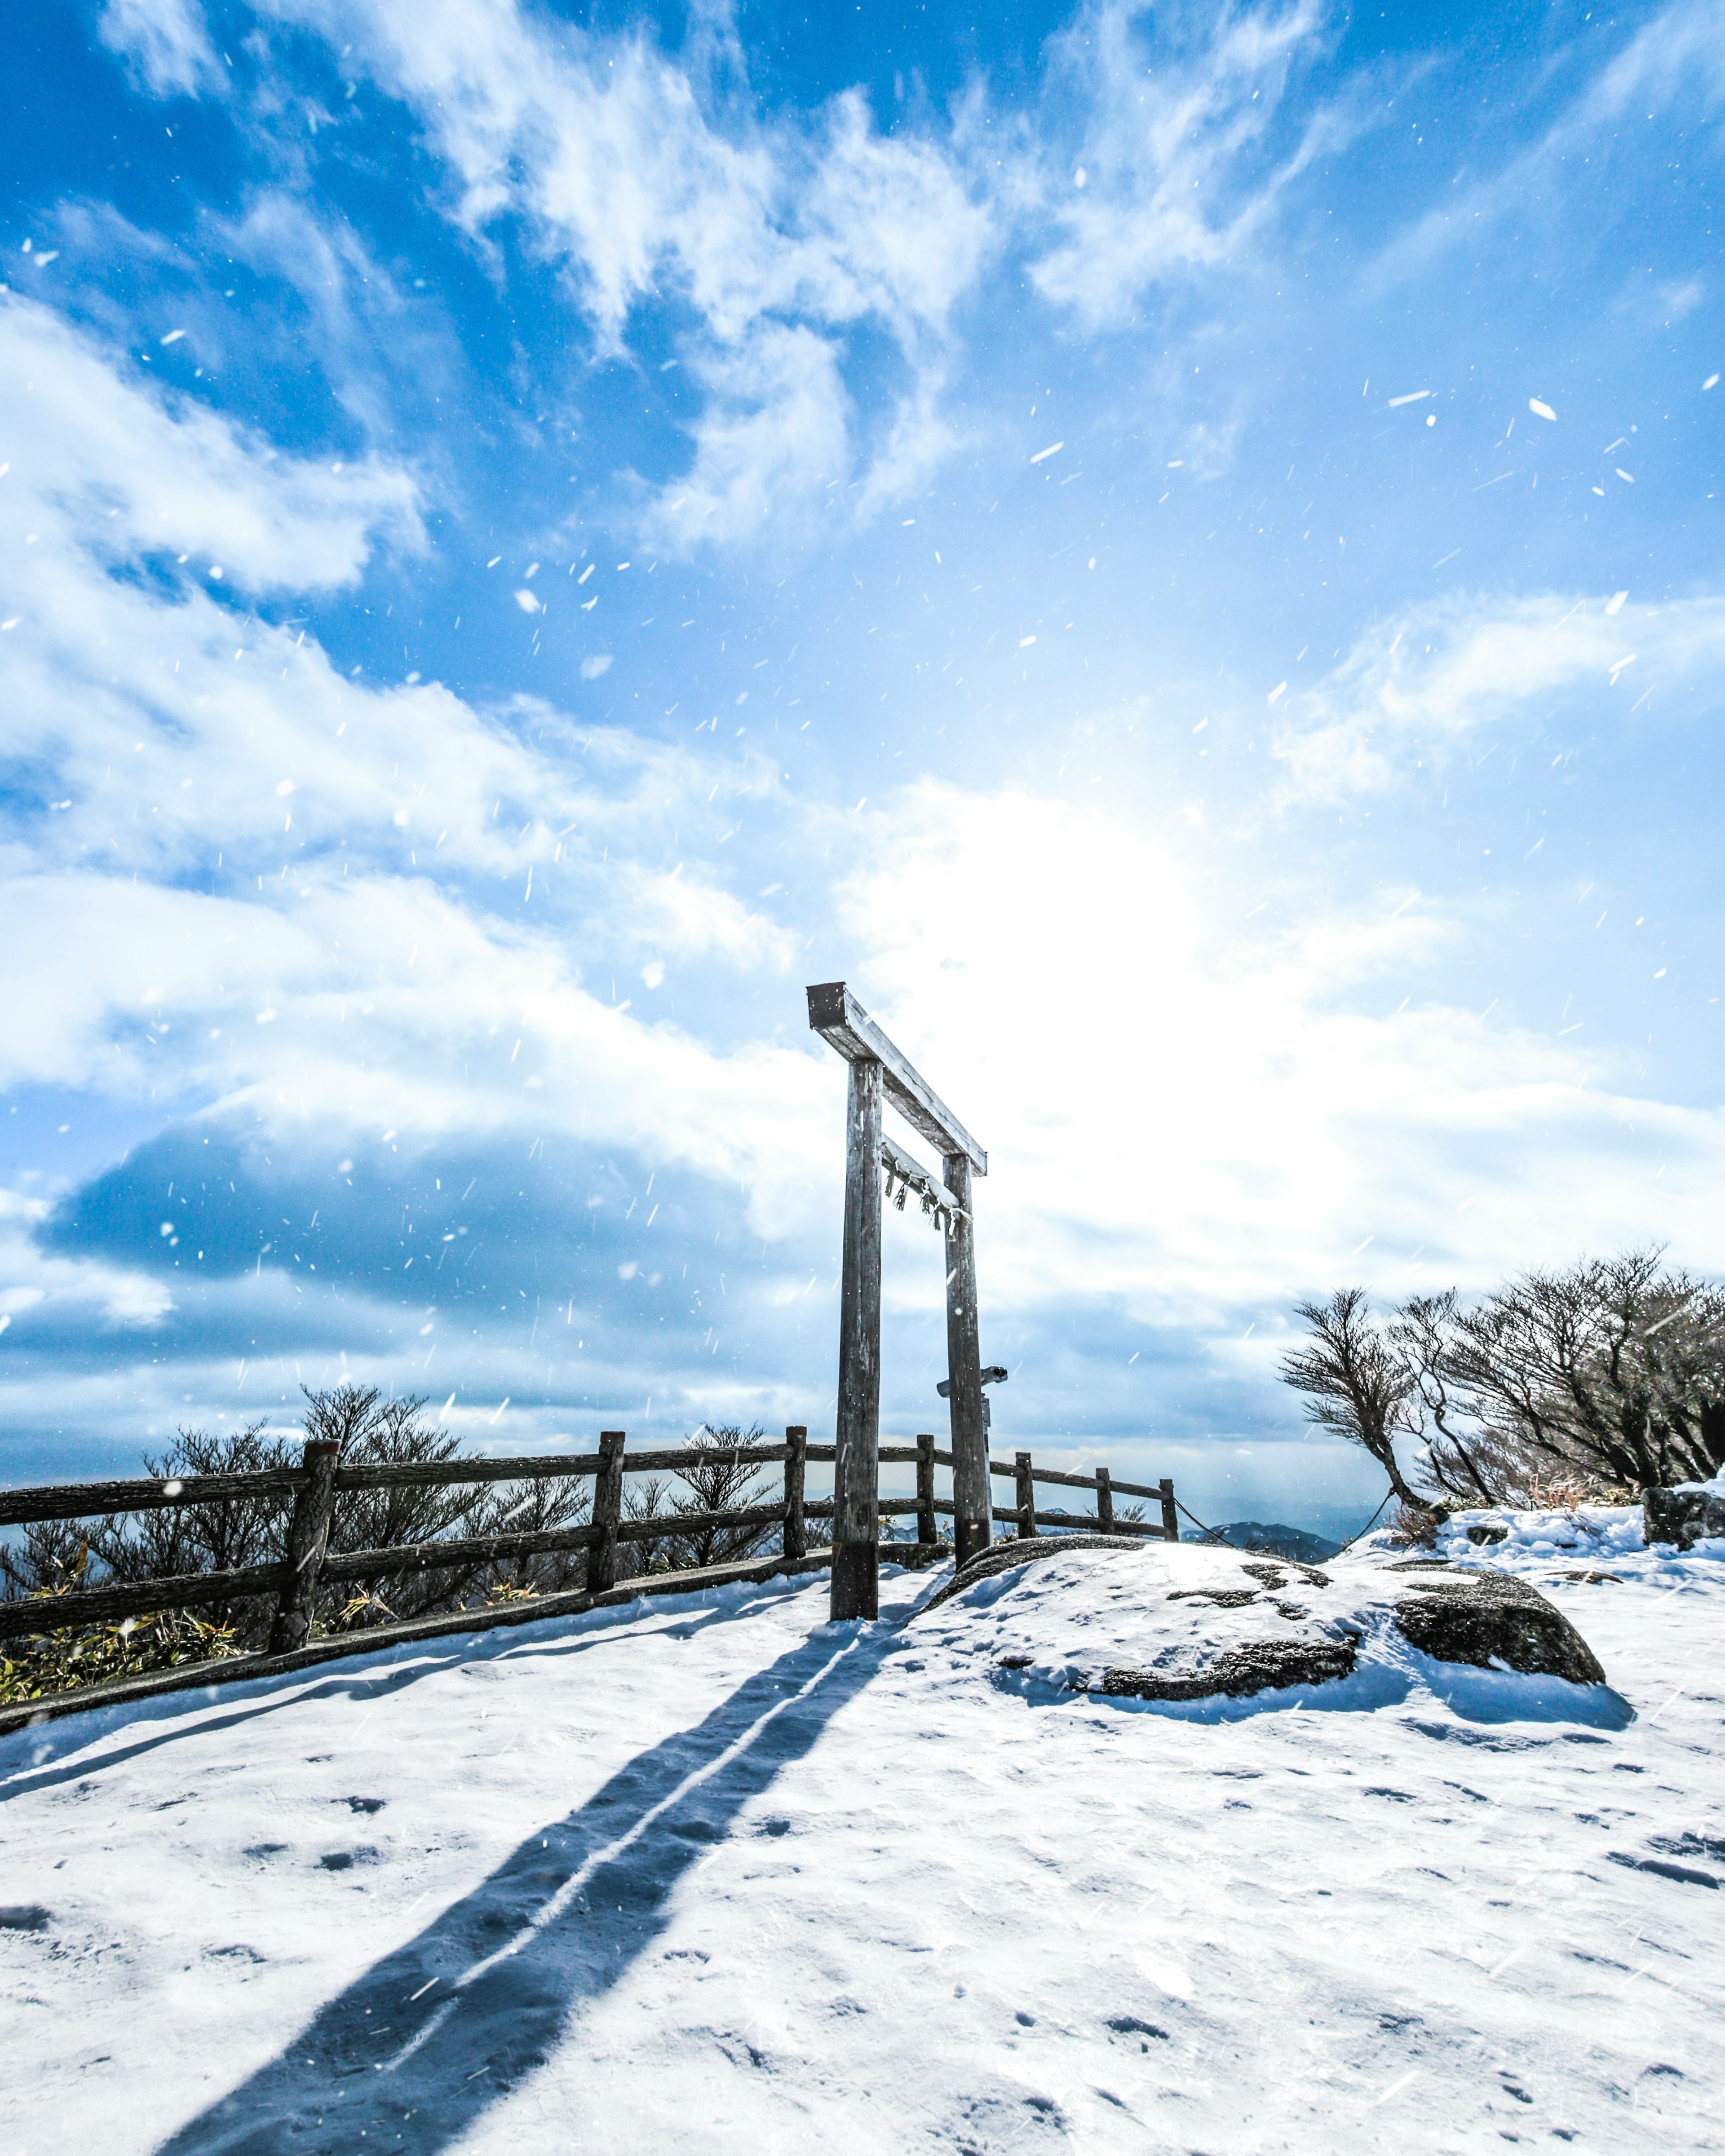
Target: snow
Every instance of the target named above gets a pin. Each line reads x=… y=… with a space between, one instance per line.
x=710 y=1873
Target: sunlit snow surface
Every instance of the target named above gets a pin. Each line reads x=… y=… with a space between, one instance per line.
x=711 y=1874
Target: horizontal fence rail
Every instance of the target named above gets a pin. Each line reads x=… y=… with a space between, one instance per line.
x=306 y=1495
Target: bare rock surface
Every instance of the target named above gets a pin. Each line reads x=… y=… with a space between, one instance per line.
x=1685 y=1514
x=1492 y=1620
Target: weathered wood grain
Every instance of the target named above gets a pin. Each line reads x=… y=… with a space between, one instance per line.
x=932 y=1199
x=528 y=1467
x=106 y=1605
x=796 y=1532
x=841 y=1021
x=926 y=1530
x=1076 y=1522
x=607 y=1511
x=1136 y=1488
x=971 y=1527
x=673 y=1459
x=689 y=1523
x=1026 y=1497
x=80 y=1500
x=856 y=1467
x=1170 y=1515
x=1104 y=1501
x=1062 y=1476
x=308 y=1537
x=450 y=1552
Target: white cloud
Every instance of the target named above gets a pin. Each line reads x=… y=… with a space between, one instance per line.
x=404 y=884
x=1184 y=1120
x=776 y=421
x=134 y=471
x=166 y=41
x=1434 y=676
x=1676 y=57
x=1180 y=169
x=780 y=238
x=102 y=1294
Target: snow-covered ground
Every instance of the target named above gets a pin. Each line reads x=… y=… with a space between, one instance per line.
x=711 y=1874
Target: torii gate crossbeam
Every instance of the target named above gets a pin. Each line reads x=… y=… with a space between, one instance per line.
x=878 y=1074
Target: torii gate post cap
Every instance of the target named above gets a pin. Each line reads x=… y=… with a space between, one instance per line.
x=993 y=1375
x=841 y=1021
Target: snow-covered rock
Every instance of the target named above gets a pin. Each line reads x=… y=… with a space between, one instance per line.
x=1178 y=1622
x=1686 y=1513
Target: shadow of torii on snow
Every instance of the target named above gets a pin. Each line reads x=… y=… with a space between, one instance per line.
x=427 y=2038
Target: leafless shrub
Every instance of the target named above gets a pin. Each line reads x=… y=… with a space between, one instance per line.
x=648 y=1499
x=129 y=1548
x=1415 y=1526
x=719 y=1483
x=45 y=1556
x=539 y=1506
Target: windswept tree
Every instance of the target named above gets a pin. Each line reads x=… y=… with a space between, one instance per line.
x=1611 y=1370
x=1607 y=1374
x=1355 y=1381
x=1466 y=1461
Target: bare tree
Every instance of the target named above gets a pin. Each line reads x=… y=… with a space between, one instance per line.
x=1605 y=1375
x=720 y=1482
x=374 y=1432
x=647 y=1501
x=537 y=1507
x=1355 y=1381
x=1465 y=1460
x=1610 y=1369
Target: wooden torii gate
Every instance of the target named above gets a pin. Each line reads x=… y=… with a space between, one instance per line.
x=879 y=1074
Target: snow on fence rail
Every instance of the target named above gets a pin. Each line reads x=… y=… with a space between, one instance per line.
x=309 y=1563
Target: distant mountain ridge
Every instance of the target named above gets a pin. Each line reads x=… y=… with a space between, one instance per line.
x=1292 y=1543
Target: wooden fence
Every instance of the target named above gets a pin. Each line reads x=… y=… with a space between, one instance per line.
x=309 y=1565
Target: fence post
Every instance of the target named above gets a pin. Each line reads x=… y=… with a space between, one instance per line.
x=1170 y=1517
x=1026 y=1496
x=928 y=1532
x=607 y=1511
x=308 y=1537
x=796 y=1528
x=1105 y=1502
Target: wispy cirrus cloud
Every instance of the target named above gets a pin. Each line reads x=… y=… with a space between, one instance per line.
x=1674 y=64
x=168 y=43
x=1178 y=148
x=293 y=841
x=1433 y=678
x=767 y=248
x=777 y=239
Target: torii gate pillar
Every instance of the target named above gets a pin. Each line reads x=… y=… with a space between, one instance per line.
x=972 y=1497
x=856 y=1469
x=879 y=1075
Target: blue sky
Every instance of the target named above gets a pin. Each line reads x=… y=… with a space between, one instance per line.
x=1177 y=551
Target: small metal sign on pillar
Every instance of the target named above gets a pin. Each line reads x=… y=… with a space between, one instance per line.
x=881 y=1076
